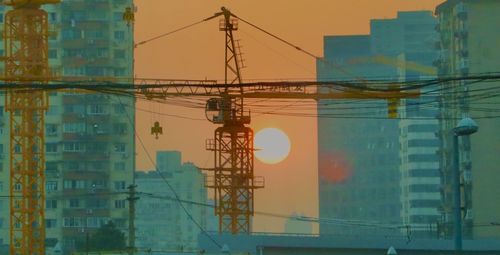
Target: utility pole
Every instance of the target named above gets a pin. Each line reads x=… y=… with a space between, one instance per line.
x=131 y=218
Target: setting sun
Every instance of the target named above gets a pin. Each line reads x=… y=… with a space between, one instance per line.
x=272 y=145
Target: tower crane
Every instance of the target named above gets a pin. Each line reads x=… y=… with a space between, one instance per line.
x=232 y=177
x=26 y=47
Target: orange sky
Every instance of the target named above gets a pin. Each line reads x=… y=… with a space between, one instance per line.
x=197 y=53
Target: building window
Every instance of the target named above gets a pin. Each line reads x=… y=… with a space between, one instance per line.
x=102 y=52
x=97 y=204
x=119 y=109
x=119 y=166
x=52 y=17
x=119 y=204
x=120 y=128
x=52 y=54
x=74 y=184
x=120 y=185
x=51 y=147
x=120 y=35
x=72 y=222
x=51 y=204
x=74 y=203
x=51 y=166
x=120 y=54
x=51 y=129
x=118 y=16
x=51 y=186
x=120 y=71
x=74 y=127
x=97 y=109
x=74 y=147
x=97 y=222
x=50 y=223
x=120 y=147
x=74 y=108
x=120 y=223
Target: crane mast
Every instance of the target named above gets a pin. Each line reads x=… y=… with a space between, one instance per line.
x=26 y=61
x=232 y=177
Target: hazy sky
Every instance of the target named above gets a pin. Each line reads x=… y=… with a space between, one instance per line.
x=197 y=53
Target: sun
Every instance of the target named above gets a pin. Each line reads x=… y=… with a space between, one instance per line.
x=271 y=145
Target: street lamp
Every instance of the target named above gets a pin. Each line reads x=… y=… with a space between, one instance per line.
x=391 y=251
x=465 y=127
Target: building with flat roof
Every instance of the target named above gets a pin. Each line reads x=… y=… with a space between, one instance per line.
x=469 y=46
x=172 y=229
x=359 y=162
x=89 y=138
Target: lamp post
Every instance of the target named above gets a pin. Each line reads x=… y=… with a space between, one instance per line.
x=465 y=127
x=391 y=251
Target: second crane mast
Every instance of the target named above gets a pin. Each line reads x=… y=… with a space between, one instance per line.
x=26 y=61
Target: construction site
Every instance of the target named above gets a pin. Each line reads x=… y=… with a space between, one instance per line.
x=106 y=151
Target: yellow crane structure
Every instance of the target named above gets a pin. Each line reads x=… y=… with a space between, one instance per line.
x=232 y=177
x=391 y=61
x=26 y=48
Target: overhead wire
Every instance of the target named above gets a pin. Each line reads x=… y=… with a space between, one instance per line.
x=174 y=192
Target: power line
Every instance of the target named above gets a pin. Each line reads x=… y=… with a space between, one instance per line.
x=176 y=195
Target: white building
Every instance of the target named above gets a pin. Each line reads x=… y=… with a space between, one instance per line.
x=420 y=175
x=161 y=222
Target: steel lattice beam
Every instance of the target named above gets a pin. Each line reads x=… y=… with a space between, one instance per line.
x=26 y=47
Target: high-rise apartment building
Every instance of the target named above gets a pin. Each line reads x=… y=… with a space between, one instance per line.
x=419 y=162
x=419 y=165
x=469 y=46
x=89 y=137
x=358 y=157
x=359 y=161
x=172 y=229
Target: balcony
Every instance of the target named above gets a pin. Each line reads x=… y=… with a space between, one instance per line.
x=73 y=117
x=85 y=155
x=461 y=33
x=460 y=11
x=73 y=99
x=84 y=212
x=463 y=66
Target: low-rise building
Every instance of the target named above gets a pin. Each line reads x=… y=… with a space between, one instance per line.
x=161 y=220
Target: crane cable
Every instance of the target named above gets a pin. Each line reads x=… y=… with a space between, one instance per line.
x=338 y=67
x=174 y=31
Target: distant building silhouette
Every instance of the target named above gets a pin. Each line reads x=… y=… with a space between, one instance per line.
x=359 y=161
x=160 y=221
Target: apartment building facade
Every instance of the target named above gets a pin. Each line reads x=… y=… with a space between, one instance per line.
x=89 y=137
x=360 y=167
x=469 y=46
